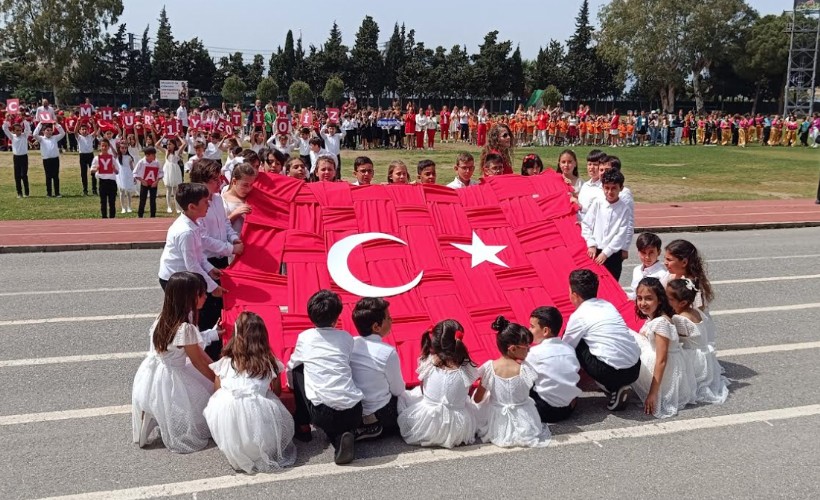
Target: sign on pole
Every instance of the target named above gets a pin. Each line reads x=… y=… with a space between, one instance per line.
x=173 y=89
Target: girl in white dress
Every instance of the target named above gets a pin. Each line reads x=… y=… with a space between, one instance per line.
x=247 y=421
x=512 y=419
x=172 y=174
x=233 y=199
x=666 y=383
x=173 y=384
x=440 y=412
x=697 y=332
x=125 y=177
x=683 y=260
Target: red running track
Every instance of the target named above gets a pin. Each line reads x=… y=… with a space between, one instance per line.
x=136 y=233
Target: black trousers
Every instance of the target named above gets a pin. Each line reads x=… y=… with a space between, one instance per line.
x=21 y=174
x=388 y=416
x=85 y=164
x=151 y=194
x=614 y=264
x=338 y=167
x=549 y=413
x=333 y=422
x=108 y=198
x=211 y=312
x=72 y=142
x=611 y=378
x=52 y=168
x=767 y=132
x=465 y=131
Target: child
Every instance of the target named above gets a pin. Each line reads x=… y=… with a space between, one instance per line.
x=316 y=151
x=441 y=414
x=493 y=165
x=555 y=365
x=173 y=384
x=322 y=381
x=532 y=165
x=605 y=348
x=376 y=369
x=568 y=168
x=50 y=153
x=234 y=198
x=148 y=174
x=304 y=145
x=465 y=166
x=697 y=333
x=666 y=383
x=333 y=144
x=297 y=168
x=199 y=154
x=172 y=174
x=605 y=226
x=649 y=249
x=363 y=170
x=426 y=172
x=125 y=177
x=19 y=136
x=512 y=418
x=325 y=169
x=248 y=422
x=105 y=169
x=85 y=145
x=397 y=173
x=591 y=189
x=683 y=261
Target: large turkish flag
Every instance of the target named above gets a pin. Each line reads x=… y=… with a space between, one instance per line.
x=295 y=224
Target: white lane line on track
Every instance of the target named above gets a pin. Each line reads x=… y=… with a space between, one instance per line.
x=432 y=455
x=743 y=351
x=762 y=280
x=769 y=257
x=50 y=416
x=76 y=319
x=86 y=290
x=792 y=307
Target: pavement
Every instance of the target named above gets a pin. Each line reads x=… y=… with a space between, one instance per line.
x=75 y=328
x=126 y=234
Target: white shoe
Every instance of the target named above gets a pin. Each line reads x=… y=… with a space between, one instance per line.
x=147 y=424
x=122 y=211
x=170 y=210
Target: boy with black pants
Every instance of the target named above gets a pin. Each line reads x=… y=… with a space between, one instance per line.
x=606 y=224
x=18 y=136
x=148 y=173
x=321 y=378
x=605 y=348
x=376 y=368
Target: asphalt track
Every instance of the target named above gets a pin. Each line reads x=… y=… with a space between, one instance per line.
x=74 y=327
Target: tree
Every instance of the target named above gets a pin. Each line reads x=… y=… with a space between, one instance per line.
x=236 y=65
x=139 y=75
x=580 y=58
x=312 y=73
x=490 y=65
x=255 y=71
x=115 y=65
x=459 y=72
x=394 y=58
x=366 y=66
x=551 y=96
x=289 y=61
x=51 y=32
x=222 y=73
x=763 y=57
x=195 y=65
x=300 y=95
x=549 y=67
x=165 y=51
x=516 y=75
x=234 y=89
x=334 y=90
x=267 y=90
x=276 y=69
x=334 y=54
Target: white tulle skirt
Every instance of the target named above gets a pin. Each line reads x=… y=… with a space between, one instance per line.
x=514 y=425
x=678 y=385
x=424 y=422
x=712 y=386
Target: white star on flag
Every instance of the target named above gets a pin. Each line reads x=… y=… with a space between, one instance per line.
x=481 y=252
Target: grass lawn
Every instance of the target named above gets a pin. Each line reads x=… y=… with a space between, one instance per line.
x=655 y=174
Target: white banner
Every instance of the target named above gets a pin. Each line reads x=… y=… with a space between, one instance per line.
x=173 y=89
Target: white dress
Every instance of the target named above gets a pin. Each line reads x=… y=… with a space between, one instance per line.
x=678 y=385
x=248 y=422
x=442 y=413
x=171 y=173
x=170 y=389
x=511 y=417
x=712 y=386
x=125 y=177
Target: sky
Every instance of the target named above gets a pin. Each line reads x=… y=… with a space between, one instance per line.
x=259 y=27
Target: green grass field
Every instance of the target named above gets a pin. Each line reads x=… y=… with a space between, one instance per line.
x=654 y=174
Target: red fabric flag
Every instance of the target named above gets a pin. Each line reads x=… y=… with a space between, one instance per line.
x=296 y=224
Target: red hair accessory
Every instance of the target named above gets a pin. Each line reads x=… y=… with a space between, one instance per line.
x=459 y=335
x=430 y=329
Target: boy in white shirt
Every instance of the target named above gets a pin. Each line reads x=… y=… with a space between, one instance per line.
x=649 y=250
x=590 y=189
x=333 y=144
x=376 y=369
x=303 y=140
x=320 y=375
x=148 y=173
x=465 y=167
x=605 y=348
x=50 y=153
x=316 y=150
x=613 y=162
x=605 y=226
x=18 y=136
x=555 y=391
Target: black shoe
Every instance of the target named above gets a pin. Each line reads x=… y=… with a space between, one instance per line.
x=817 y=201
x=369 y=431
x=303 y=434
x=619 y=398
x=94 y=192
x=345 y=449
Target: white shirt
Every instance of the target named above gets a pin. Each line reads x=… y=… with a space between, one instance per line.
x=376 y=372
x=212 y=152
x=304 y=146
x=457 y=184
x=626 y=196
x=589 y=191
x=217 y=233
x=606 y=226
x=333 y=143
x=421 y=122
x=325 y=352
x=139 y=170
x=314 y=155
x=49 y=110
x=190 y=163
x=49 y=147
x=19 y=143
x=85 y=143
x=557 y=368
x=95 y=163
x=656 y=270
x=599 y=324
x=182 y=115
x=183 y=251
x=227 y=169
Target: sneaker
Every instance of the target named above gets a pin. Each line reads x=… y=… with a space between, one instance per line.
x=619 y=398
x=345 y=450
x=303 y=434
x=19 y=195
x=128 y=210
x=25 y=195
x=369 y=431
x=147 y=424
x=122 y=211
x=169 y=210
x=59 y=196
x=94 y=192
x=85 y=193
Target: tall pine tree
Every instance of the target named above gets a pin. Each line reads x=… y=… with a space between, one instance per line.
x=394 y=58
x=165 y=51
x=581 y=59
x=334 y=54
x=366 y=67
x=288 y=62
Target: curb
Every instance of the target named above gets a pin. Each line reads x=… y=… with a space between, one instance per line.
x=158 y=245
